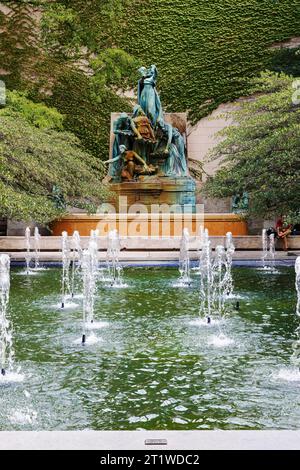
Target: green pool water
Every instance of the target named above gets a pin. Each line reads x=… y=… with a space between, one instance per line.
x=153 y=366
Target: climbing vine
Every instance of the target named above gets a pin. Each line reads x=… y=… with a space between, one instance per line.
x=75 y=54
x=206 y=51
x=18 y=41
x=88 y=118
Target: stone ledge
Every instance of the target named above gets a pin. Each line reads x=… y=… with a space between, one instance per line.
x=152 y=256
x=53 y=243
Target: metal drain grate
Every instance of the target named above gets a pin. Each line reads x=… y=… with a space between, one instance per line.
x=156 y=442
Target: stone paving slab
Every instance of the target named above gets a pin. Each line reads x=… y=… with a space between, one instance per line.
x=135 y=440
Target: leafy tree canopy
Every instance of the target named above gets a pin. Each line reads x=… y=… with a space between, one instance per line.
x=36 y=156
x=261 y=151
x=205 y=52
x=36 y=114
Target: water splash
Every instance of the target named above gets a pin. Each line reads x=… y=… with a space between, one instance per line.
x=28 y=250
x=220 y=341
x=76 y=262
x=295 y=358
x=114 y=268
x=6 y=345
x=97 y=325
x=216 y=283
x=27 y=416
x=89 y=275
x=184 y=259
x=11 y=377
x=202 y=322
x=221 y=279
x=37 y=248
x=264 y=241
x=199 y=239
x=268 y=251
x=206 y=278
x=94 y=237
x=66 y=260
x=32 y=254
x=230 y=249
x=272 y=251
x=288 y=375
x=297 y=284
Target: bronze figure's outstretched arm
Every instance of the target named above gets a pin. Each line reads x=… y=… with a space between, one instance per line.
x=112 y=160
x=134 y=128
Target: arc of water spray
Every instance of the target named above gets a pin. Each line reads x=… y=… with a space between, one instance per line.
x=89 y=274
x=268 y=249
x=28 y=249
x=216 y=283
x=272 y=250
x=76 y=258
x=184 y=258
x=264 y=239
x=6 y=349
x=37 y=238
x=93 y=247
x=297 y=284
x=112 y=258
x=200 y=243
x=295 y=358
x=230 y=249
x=206 y=277
x=65 y=281
x=220 y=276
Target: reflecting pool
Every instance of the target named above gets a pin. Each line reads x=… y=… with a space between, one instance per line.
x=150 y=362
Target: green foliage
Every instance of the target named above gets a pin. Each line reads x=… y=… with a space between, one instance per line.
x=77 y=30
x=86 y=116
x=113 y=69
x=18 y=41
x=287 y=61
x=206 y=51
x=261 y=151
x=36 y=114
x=59 y=31
x=69 y=25
x=35 y=156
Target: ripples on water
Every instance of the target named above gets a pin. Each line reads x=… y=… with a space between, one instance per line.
x=150 y=362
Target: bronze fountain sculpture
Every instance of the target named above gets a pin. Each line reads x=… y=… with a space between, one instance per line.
x=148 y=161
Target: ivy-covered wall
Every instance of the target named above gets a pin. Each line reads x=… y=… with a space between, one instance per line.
x=84 y=116
x=39 y=66
x=206 y=50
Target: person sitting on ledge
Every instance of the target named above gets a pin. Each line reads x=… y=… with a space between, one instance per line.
x=283 y=231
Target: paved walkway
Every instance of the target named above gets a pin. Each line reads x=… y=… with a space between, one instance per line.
x=135 y=440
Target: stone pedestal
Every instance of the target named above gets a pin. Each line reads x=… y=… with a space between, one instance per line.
x=155 y=191
x=151 y=225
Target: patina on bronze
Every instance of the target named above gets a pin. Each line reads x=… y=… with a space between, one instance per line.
x=148 y=162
